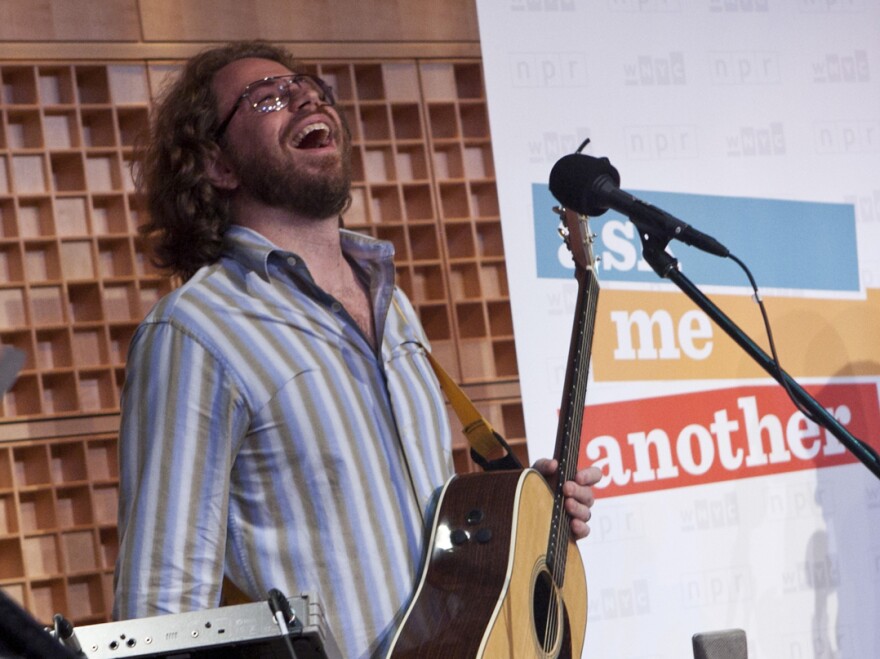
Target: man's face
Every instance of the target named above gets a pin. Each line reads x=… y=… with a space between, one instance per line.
x=297 y=158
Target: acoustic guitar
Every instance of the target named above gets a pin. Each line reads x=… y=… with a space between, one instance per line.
x=503 y=577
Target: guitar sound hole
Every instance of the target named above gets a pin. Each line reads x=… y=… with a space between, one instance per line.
x=545 y=611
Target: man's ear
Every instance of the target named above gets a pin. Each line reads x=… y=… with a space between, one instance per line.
x=220 y=172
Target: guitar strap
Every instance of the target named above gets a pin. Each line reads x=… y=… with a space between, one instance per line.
x=488 y=448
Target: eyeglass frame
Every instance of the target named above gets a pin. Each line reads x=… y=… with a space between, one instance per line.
x=325 y=90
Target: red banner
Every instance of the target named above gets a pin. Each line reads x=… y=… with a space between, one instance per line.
x=712 y=436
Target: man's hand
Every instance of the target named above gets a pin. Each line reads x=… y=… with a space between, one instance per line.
x=578 y=494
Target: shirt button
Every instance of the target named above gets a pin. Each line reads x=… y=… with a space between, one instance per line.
x=336 y=307
x=291 y=261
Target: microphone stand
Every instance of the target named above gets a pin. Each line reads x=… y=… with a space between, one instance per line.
x=666 y=266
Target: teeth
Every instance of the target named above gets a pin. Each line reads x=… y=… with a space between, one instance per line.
x=311 y=128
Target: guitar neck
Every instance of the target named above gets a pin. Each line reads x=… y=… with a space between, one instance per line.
x=571 y=413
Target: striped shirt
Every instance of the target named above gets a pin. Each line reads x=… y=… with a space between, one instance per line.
x=263 y=438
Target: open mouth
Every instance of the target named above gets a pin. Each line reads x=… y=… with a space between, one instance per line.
x=313 y=136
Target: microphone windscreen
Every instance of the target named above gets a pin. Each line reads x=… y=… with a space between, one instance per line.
x=572 y=179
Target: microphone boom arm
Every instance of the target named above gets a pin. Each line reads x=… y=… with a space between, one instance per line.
x=666 y=266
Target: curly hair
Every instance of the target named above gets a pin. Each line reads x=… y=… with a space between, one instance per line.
x=187 y=214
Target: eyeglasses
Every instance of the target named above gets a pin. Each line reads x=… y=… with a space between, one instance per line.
x=273 y=94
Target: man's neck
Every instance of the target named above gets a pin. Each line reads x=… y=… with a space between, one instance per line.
x=315 y=240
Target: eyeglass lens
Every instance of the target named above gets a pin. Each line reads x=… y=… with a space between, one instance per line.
x=273 y=95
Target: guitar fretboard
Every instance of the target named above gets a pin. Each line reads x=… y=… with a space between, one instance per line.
x=571 y=411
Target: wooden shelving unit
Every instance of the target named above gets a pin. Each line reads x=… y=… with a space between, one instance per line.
x=74 y=282
x=58 y=525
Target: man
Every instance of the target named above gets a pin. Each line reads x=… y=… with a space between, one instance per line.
x=281 y=424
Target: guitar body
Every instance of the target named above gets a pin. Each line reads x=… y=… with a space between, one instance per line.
x=502 y=577
x=485 y=590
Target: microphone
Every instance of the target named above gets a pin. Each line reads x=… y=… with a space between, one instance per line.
x=590 y=186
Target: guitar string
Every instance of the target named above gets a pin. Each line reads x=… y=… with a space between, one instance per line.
x=575 y=424
x=558 y=520
x=562 y=536
x=561 y=531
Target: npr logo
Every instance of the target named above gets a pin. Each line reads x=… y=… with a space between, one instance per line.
x=867 y=206
x=796 y=502
x=542 y=5
x=744 y=6
x=824 y=641
x=552 y=145
x=616 y=524
x=839 y=67
x=734 y=584
x=848 y=137
x=744 y=68
x=649 y=71
x=820 y=574
x=827 y=6
x=708 y=514
x=565 y=300
x=549 y=70
x=647 y=6
x=660 y=142
x=757 y=141
x=628 y=601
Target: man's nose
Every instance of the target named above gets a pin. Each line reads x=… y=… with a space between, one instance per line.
x=302 y=94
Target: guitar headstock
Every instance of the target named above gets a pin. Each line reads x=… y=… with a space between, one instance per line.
x=575 y=231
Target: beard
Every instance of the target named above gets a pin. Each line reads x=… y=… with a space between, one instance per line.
x=276 y=181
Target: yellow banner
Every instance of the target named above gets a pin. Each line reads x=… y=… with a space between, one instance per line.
x=664 y=336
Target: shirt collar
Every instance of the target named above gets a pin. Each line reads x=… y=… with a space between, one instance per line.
x=253 y=250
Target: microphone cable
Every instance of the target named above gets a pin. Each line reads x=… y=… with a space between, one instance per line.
x=284 y=616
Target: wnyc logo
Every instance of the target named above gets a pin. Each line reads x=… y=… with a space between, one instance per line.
x=712 y=436
x=782 y=241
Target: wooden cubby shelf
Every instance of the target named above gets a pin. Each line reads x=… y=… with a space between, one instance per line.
x=65 y=146
x=57 y=526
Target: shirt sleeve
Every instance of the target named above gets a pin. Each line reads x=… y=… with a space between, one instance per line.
x=182 y=416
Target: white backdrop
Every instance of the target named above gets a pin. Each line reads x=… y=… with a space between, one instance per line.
x=757 y=121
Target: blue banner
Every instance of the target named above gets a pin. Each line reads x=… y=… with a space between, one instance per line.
x=786 y=244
